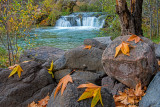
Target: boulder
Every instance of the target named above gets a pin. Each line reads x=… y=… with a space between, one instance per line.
x=157 y=50
x=113 y=85
x=141 y=65
x=34 y=84
x=83 y=59
x=151 y=99
x=72 y=93
x=78 y=75
x=42 y=54
x=99 y=42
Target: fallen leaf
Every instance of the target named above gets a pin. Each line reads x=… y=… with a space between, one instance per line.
x=138 y=90
x=64 y=81
x=87 y=47
x=159 y=63
x=91 y=91
x=17 y=69
x=33 y=104
x=12 y=67
x=43 y=102
x=134 y=38
x=124 y=47
x=51 y=69
x=130 y=97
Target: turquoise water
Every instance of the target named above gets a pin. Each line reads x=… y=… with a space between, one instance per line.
x=61 y=37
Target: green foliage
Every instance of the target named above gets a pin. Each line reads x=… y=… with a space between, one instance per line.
x=3 y=57
x=90 y=7
x=16 y=19
x=112 y=27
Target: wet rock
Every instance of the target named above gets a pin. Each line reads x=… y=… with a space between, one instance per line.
x=151 y=99
x=72 y=93
x=34 y=84
x=113 y=85
x=141 y=65
x=42 y=54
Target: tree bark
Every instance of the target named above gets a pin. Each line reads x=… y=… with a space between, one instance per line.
x=131 y=20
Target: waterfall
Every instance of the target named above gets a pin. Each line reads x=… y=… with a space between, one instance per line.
x=80 y=19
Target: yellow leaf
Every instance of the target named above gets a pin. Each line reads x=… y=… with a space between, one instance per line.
x=17 y=69
x=51 y=69
x=91 y=91
x=88 y=47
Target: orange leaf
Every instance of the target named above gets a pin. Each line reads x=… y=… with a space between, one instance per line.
x=130 y=97
x=89 y=85
x=124 y=47
x=159 y=63
x=33 y=104
x=43 y=102
x=88 y=47
x=134 y=37
x=64 y=81
x=138 y=90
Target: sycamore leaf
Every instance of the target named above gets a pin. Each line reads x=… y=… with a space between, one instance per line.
x=64 y=81
x=134 y=38
x=124 y=47
x=17 y=69
x=88 y=47
x=51 y=69
x=43 y=102
x=91 y=91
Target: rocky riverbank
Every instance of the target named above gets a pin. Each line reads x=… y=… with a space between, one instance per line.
x=96 y=65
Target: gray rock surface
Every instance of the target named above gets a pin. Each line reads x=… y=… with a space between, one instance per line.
x=112 y=85
x=78 y=75
x=42 y=54
x=72 y=93
x=157 y=50
x=83 y=59
x=99 y=42
x=141 y=65
x=34 y=84
x=151 y=99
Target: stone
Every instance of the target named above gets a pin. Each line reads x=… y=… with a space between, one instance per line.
x=99 y=42
x=72 y=93
x=151 y=99
x=82 y=59
x=113 y=85
x=141 y=65
x=33 y=85
x=42 y=54
x=86 y=76
x=78 y=75
x=104 y=40
x=157 y=50
x=61 y=73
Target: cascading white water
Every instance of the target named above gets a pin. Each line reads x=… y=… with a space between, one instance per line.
x=82 y=20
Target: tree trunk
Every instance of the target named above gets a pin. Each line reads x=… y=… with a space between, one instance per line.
x=131 y=21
